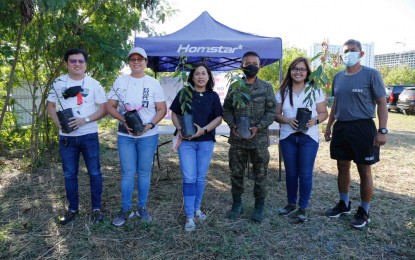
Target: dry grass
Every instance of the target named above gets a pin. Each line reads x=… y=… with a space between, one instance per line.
x=29 y=204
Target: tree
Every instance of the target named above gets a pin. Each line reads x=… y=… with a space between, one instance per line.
x=271 y=72
x=102 y=28
x=403 y=75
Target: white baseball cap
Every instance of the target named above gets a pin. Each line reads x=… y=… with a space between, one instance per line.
x=138 y=50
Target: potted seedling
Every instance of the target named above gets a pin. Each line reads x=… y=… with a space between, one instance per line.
x=186 y=121
x=63 y=116
x=240 y=98
x=319 y=79
x=132 y=118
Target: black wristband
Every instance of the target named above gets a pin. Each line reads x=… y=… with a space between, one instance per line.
x=317 y=122
x=152 y=125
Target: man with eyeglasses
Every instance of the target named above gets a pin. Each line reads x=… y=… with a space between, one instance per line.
x=261 y=111
x=83 y=99
x=358 y=91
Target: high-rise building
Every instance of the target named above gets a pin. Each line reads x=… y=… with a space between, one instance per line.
x=367 y=60
x=396 y=59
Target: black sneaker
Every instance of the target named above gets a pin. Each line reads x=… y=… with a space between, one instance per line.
x=339 y=209
x=68 y=217
x=97 y=216
x=287 y=210
x=361 y=218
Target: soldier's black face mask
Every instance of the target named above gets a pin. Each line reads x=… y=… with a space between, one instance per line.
x=72 y=92
x=250 y=70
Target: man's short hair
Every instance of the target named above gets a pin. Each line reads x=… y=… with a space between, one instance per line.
x=250 y=53
x=75 y=51
x=354 y=42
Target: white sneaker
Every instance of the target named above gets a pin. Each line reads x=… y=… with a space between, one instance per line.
x=200 y=215
x=190 y=225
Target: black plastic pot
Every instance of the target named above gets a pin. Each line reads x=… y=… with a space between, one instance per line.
x=303 y=116
x=134 y=121
x=243 y=123
x=63 y=117
x=187 y=125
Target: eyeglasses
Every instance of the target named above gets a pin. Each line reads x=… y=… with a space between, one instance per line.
x=74 y=61
x=138 y=59
x=302 y=70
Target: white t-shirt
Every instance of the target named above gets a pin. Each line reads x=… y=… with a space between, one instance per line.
x=84 y=105
x=291 y=111
x=140 y=94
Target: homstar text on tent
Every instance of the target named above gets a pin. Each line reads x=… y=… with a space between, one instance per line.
x=215 y=49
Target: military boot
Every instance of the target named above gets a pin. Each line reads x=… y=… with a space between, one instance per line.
x=237 y=207
x=258 y=214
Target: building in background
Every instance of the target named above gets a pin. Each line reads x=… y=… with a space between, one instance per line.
x=396 y=59
x=367 y=60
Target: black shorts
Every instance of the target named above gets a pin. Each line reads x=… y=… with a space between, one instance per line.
x=353 y=140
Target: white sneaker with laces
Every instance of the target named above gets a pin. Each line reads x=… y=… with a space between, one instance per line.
x=200 y=215
x=190 y=225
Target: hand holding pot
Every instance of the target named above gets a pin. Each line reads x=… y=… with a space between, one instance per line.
x=199 y=132
x=293 y=123
x=311 y=122
x=235 y=133
x=76 y=122
x=254 y=131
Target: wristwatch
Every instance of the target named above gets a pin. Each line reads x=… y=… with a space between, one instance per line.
x=317 y=121
x=87 y=119
x=383 y=131
x=152 y=125
x=206 y=131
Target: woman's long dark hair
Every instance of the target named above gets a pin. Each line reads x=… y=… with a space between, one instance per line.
x=211 y=82
x=288 y=80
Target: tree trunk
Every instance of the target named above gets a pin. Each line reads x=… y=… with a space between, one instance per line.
x=11 y=76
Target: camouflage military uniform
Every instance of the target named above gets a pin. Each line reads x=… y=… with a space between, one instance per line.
x=261 y=109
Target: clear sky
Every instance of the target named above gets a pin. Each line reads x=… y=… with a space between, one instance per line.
x=390 y=24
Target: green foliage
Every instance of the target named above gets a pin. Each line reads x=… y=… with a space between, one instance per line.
x=270 y=72
x=186 y=92
x=323 y=74
x=238 y=89
x=403 y=75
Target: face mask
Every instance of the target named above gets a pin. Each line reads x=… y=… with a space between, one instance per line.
x=71 y=92
x=351 y=58
x=250 y=70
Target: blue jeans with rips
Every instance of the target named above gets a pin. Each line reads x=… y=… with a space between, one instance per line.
x=136 y=158
x=195 y=159
x=71 y=147
x=299 y=153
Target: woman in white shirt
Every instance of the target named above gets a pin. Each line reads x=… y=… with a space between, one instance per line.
x=299 y=149
x=141 y=94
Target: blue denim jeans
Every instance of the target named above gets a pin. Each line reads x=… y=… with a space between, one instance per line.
x=136 y=157
x=195 y=159
x=70 y=149
x=299 y=153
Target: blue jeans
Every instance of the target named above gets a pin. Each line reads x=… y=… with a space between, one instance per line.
x=299 y=153
x=195 y=159
x=136 y=156
x=70 y=149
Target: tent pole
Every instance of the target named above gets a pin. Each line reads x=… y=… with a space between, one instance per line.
x=279 y=132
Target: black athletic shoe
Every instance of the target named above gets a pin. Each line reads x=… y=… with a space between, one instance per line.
x=361 y=218
x=68 y=217
x=97 y=216
x=339 y=209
